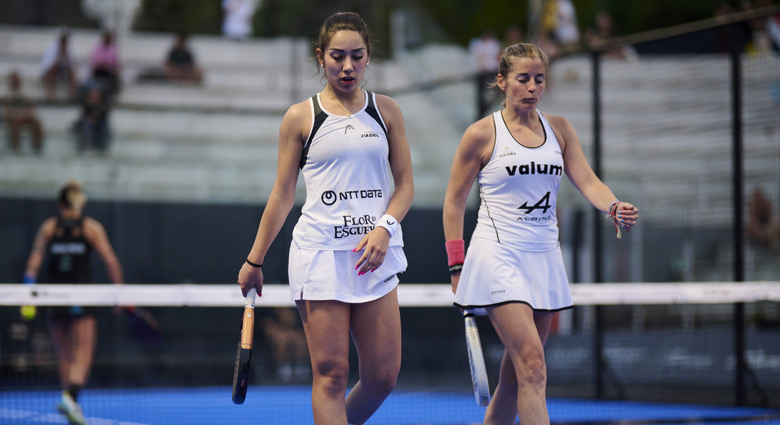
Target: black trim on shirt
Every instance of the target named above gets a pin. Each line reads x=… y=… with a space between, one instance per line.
x=373 y=111
x=319 y=118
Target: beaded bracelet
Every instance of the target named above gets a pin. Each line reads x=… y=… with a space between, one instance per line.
x=612 y=214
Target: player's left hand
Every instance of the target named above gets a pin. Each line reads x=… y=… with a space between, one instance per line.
x=375 y=244
x=626 y=215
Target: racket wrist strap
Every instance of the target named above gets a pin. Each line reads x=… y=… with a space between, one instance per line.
x=259 y=266
x=456 y=252
x=389 y=223
x=612 y=214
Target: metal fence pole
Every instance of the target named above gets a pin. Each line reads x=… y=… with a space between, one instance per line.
x=739 y=240
x=598 y=334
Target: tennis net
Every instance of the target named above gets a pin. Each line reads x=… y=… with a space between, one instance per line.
x=628 y=352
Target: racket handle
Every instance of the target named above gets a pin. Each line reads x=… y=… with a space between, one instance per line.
x=250 y=297
x=248 y=327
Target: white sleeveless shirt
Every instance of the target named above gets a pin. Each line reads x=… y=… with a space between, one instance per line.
x=347 y=175
x=519 y=191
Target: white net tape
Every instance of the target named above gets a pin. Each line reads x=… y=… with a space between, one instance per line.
x=409 y=295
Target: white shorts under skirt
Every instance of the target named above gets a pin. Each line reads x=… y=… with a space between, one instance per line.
x=495 y=274
x=331 y=275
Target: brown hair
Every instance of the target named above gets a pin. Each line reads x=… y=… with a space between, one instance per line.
x=342 y=21
x=72 y=195
x=521 y=50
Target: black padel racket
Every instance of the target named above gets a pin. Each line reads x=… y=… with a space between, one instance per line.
x=244 y=353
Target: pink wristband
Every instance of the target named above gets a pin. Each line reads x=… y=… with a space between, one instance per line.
x=456 y=251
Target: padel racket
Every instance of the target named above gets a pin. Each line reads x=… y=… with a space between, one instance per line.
x=143 y=325
x=244 y=353
x=479 y=378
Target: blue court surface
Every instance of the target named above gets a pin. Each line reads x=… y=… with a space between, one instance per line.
x=292 y=405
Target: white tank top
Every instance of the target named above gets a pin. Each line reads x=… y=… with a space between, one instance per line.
x=347 y=175
x=519 y=191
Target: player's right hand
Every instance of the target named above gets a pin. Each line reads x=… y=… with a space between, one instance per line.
x=250 y=277
x=455 y=278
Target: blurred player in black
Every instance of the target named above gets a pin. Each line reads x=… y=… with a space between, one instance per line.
x=68 y=239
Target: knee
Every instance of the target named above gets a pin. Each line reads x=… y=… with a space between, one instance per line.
x=331 y=376
x=381 y=381
x=533 y=372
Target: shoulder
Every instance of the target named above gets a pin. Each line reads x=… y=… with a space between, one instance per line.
x=482 y=131
x=559 y=123
x=562 y=128
x=478 y=141
x=391 y=113
x=91 y=225
x=49 y=225
x=387 y=105
x=299 y=113
x=297 y=121
x=93 y=230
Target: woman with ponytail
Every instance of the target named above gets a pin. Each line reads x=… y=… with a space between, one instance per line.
x=68 y=239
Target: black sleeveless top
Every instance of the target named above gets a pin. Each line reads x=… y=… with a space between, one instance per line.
x=69 y=253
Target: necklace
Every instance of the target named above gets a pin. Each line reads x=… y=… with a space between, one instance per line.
x=341 y=105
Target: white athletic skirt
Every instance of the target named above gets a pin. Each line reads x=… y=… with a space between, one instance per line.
x=495 y=274
x=331 y=275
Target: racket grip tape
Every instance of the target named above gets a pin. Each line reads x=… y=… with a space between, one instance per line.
x=248 y=327
x=248 y=322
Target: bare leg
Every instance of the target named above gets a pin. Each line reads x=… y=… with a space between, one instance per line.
x=84 y=337
x=63 y=344
x=50 y=82
x=37 y=133
x=15 y=125
x=523 y=378
x=72 y=84
x=376 y=330
x=326 y=325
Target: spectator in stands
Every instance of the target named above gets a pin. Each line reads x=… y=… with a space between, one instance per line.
x=237 y=24
x=68 y=240
x=485 y=51
x=180 y=65
x=512 y=35
x=602 y=33
x=58 y=64
x=766 y=30
x=773 y=32
x=558 y=30
x=92 y=127
x=763 y=229
x=105 y=66
x=19 y=114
